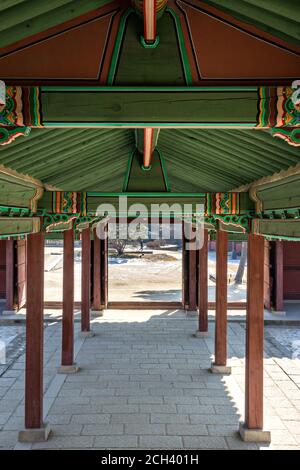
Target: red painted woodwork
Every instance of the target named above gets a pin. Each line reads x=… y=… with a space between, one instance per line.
x=279 y=276
x=34 y=331
x=221 y=299
x=2 y=269
x=67 y=55
x=255 y=333
x=104 y=270
x=149 y=12
x=10 y=274
x=192 y=255
x=203 y=284
x=291 y=270
x=96 y=272
x=219 y=47
x=85 y=280
x=185 y=267
x=267 y=279
x=21 y=248
x=67 y=356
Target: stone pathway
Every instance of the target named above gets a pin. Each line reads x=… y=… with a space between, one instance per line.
x=145 y=383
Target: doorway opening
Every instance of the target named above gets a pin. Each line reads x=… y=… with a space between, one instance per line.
x=146 y=269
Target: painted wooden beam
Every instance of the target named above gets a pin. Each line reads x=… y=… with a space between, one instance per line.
x=284 y=229
x=19 y=190
x=146 y=141
x=148 y=107
x=34 y=332
x=85 y=280
x=67 y=356
x=12 y=226
x=221 y=303
x=149 y=12
x=203 y=284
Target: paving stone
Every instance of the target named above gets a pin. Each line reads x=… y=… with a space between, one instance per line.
x=160 y=442
x=115 y=442
x=158 y=408
x=102 y=429
x=129 y=418
x=120 y=408
x=195 y=409
x=204 y=442
x=187 y=429
x=214 y=419
x=66 y=429
x=58 y=419
x=95 y=418
x=66 y=442
x=169 y=418
x=145 y=429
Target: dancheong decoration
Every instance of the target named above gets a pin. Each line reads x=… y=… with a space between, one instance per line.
x=20 y=112
x=279 y=112
x=67 y=202
x=222 y=204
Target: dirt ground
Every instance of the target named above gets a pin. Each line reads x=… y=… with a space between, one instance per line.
x=156 y=277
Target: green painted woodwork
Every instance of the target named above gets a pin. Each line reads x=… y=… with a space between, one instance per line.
x=72 y=159
x=20 y=20
x=9 y=211
x=140 y=180
x=282 y=229
x=232 y=237
x=10 y=226
x=177 y=201
x=149 y=64
x=217 y=160
x=18 y=192
x=278 y=17
x=283 y=194
x=185 y=107
x=196 y=160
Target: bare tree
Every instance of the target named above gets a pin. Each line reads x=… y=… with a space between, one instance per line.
x=240 y=272
x=119 y=245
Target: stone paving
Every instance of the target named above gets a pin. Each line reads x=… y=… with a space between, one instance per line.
x=144 y=383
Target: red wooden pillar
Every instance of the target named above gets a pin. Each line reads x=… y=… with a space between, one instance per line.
x=203 y=284
x=185 y=268
x=67 y=356
x=10 y=261
x=104 y=269
x=34 y=341
x=96 y=273
x=85 y=280
x=279 y=276
x=251 y=430
x=219 y=365
x=192 y=254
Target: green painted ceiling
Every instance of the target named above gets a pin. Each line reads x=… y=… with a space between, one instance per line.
x=278 y=17
x=72 y=159
x=221 y=160
x=197 y=160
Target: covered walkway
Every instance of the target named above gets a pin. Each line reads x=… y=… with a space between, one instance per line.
x=144 y=383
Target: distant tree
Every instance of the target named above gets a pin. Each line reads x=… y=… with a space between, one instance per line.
x=240 y=272
x=118 y=245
